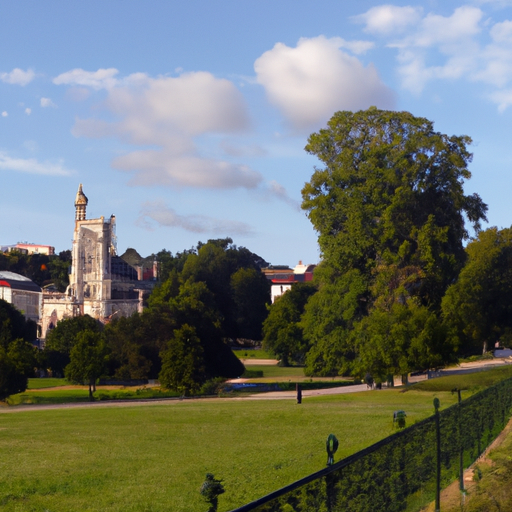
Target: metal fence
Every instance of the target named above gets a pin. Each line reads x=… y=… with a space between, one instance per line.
x=400 y=473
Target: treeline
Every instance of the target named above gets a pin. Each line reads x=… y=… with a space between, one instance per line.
x=40 y=268
x=211 y=296
x=396 y=291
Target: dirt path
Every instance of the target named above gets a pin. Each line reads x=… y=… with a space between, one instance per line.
x=451 y=496
x=271 y=395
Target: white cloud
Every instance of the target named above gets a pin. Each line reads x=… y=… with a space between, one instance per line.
x=171 y=113
x=28 y=111
x=389 y=19
x=310 y=82
x=164 y=216
x=47 y=102
x=101 y=79
x=5 y=113
x=165 y=167
x=18 y=77
x=456 y=29
x=32 y=166
x=277 y=190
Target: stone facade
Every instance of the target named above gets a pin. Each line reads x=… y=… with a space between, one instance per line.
x=101 y=284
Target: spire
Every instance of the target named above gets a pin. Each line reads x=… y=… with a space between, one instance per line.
x=80 y=204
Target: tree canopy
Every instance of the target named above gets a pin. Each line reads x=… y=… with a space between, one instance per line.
x=17 y=354
x=478 y=307
x=390 y=210
x=282 y=329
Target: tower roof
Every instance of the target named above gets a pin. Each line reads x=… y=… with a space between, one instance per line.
x=81 y=198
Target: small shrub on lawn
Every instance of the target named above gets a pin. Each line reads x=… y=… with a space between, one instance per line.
x=212 y=386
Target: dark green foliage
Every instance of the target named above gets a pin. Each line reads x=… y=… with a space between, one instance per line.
x=390 y=210
x=61 y=339
x=478 y=307
x=398 y=473
x=241 y=303
x=17 y=363
x=40 y=268
x=135 y=346
x=18 y=357
x=282 y=329
x=14 y=325
x=88 y=359
x=183 y=364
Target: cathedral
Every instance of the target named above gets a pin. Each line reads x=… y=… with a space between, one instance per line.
x=101 y=284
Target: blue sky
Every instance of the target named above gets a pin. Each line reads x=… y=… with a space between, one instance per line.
x=187 y=120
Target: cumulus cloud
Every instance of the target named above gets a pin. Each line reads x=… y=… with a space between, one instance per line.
x=32 y=166
x=166 y=167
x=101 y=79
x=311 y=81
x=434 y=47
x=169 y=113
x=28 y=111
x=389 y=19
x=47 y=102
x=18 y=77
x=5 y=113
x=159 y=212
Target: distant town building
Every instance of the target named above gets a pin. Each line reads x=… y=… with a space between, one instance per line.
x=22 y=293
x=101 y=284
x=282 y=277
x=36 y=249
x=29 y=249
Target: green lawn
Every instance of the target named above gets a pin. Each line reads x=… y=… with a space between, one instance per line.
x=46 y=383
x=253 y=354
x=59 y=396
x=154 y=457
x=278 y=372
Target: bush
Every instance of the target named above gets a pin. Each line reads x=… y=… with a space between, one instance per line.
x=212 y=386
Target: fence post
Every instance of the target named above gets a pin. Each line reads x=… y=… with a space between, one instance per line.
x=461 y=446
x=438 y=458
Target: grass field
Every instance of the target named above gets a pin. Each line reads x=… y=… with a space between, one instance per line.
x=153 y=458
x=46 y=383
x=274 y=372
x=61 y=395
x=253 y=354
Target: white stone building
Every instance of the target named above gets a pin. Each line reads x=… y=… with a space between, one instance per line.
x=100 y=283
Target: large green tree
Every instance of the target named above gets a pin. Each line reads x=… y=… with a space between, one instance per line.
x=390 y=210
x=61 y=339
x=88 y=360
x=282 y=329
x=478 y=307
x=17 y=355
x=183 y=364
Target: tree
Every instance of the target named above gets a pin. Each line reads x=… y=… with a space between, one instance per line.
x=282 y=330
x=88 y=360
x=216 y=264
x=478 y=307
x=17 y=355
x=390 y=210
x=17 y=362
x=251 y=295
x=13 y=324
x=183 y=366
x=61 y=339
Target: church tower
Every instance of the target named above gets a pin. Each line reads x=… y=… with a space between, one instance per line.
x=80 y=204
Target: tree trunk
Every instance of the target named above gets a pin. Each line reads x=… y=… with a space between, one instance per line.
x=91 y=398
